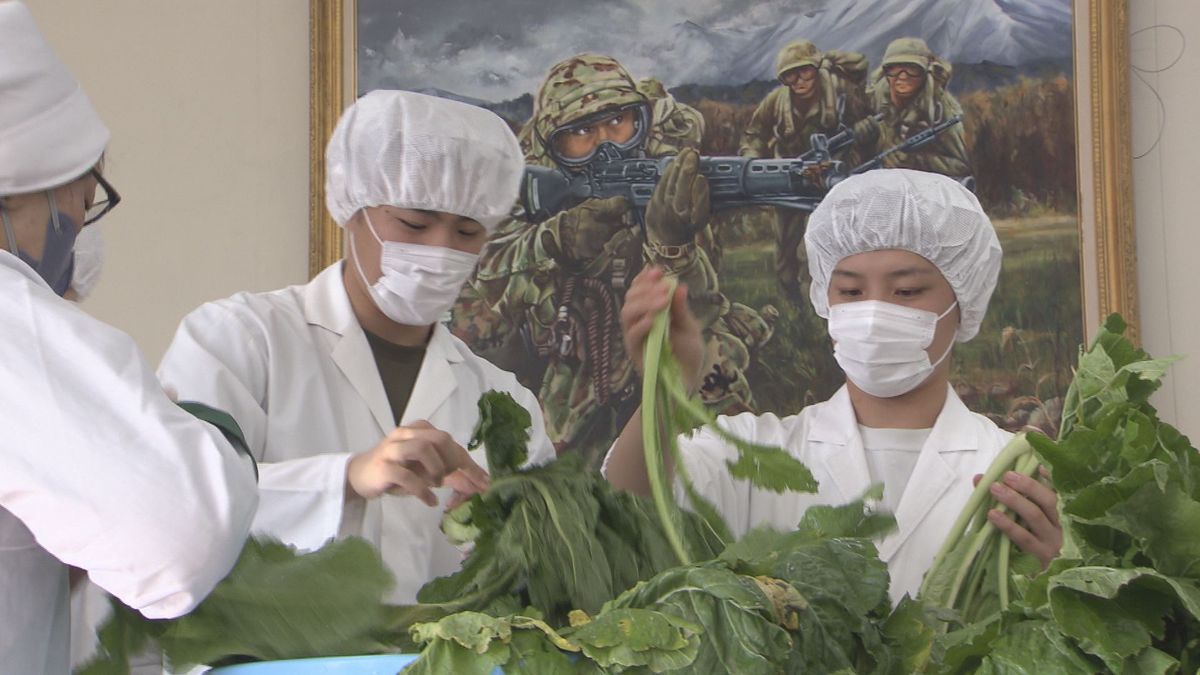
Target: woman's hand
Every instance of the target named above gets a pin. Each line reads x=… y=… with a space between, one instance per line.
x=649 y=294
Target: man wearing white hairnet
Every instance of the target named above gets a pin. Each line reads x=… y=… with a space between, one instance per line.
x=903 y=264
x=355 y=399
x=99 y=470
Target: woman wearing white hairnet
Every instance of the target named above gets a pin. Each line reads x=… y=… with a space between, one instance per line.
x=98 y=468
x=903 y=264
x=355 y=399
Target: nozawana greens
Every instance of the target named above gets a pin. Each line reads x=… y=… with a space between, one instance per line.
x=1124 y=594
x=568 y=575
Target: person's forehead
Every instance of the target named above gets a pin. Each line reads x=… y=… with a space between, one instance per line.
x=427 y=215
x=889 y=262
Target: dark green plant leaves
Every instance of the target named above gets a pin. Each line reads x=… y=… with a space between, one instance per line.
x=1124 y=596
x=274 y=604
x=503 y=430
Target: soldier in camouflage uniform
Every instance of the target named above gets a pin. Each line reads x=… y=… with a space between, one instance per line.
x=674 y=125
x=561 y=283
x=908 y=96
x=819 y=93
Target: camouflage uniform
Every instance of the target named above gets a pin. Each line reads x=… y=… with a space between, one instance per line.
x=674 y=125
x=779 y=128
x=946 y=154
x=559 y=285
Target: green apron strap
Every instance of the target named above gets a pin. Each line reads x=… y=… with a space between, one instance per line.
x=225 y=423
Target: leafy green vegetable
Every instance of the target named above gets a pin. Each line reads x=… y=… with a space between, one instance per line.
x=669 y=410
x=275 y=604
x=503 y=430
x=1124 y=595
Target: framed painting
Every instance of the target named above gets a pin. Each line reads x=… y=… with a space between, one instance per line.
x=1025 y=102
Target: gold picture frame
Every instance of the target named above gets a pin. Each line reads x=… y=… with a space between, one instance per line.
x=1108 y=254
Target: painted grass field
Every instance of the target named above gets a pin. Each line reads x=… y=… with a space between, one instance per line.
x=1014 y=370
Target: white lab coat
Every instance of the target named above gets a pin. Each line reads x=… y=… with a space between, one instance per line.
x=294 y=369
x=825 y=437
x=100 y=470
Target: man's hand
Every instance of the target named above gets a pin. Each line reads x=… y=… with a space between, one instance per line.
x=679 y=207
x=582 y=232
x=648 y=295
x=1036 y=504
x=412 y=460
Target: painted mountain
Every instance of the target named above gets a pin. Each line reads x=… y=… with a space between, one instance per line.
x=499 y=50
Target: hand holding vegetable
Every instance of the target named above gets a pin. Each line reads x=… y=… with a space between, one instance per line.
x=649 y=295
x=412 y=460
x=1039 y=532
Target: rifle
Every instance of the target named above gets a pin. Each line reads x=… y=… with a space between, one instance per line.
x=794 y=183
x=913 y=142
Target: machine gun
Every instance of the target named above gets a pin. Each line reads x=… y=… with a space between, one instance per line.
x=798 y=183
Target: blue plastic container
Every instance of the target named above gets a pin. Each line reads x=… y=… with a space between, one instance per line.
x=383 y=664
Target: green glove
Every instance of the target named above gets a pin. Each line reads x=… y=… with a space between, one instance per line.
x=679 y=207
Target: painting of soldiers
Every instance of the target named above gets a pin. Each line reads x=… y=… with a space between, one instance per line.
x=769 y=103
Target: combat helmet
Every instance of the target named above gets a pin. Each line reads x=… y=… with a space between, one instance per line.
x=585 y=87
x=797 y=55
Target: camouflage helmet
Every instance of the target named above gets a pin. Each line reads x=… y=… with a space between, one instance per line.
x=796 y=55
x=579 y=86
x=908 y=50
x=652 y=88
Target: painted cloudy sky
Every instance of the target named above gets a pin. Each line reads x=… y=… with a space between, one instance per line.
x=499 y=49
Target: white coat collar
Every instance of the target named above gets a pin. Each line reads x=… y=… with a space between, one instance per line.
x=835 y=428
x=327 y=305
x=7 y=259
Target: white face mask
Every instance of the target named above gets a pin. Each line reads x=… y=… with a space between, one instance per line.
x=419 y=284
x=89 y=260
x=881 y=346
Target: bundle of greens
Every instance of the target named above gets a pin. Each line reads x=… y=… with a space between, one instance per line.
x=668 y=410
x=1124 y=596
x=555 y=537
x=810 y=601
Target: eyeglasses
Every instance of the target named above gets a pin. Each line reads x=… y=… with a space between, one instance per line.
x=912 y=71
x=100 y=207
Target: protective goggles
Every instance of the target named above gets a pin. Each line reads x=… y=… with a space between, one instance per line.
x=624 y=129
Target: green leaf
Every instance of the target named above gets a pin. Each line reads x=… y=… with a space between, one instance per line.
x=274 y=604
x=853 y=520
x=770 y=468
x=472 y=630
x=734 y=614
x=1165 y=524
x=503 y=429
x=912 y=628
x=623 y=638
x=1035 y=648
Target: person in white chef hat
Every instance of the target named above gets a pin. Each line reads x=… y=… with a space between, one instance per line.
x=903 y=265
x=356 y=400
x=99 y=469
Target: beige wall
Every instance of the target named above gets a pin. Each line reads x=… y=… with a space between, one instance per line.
x=1167 y=195
x=208 y=105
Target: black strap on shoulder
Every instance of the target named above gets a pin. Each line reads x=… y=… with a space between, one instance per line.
x=224 y=422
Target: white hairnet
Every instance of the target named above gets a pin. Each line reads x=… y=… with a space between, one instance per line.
x=409 y=150
x=925 y=213
x=49 y=132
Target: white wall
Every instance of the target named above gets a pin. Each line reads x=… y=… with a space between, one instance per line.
x=1167 y=193
x=208 y=105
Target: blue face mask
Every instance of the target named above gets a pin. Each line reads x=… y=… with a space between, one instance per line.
x=57 y=264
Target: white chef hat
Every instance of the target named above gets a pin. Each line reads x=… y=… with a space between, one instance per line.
x=400 y=148
x=49 y=132
x=925 y=213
